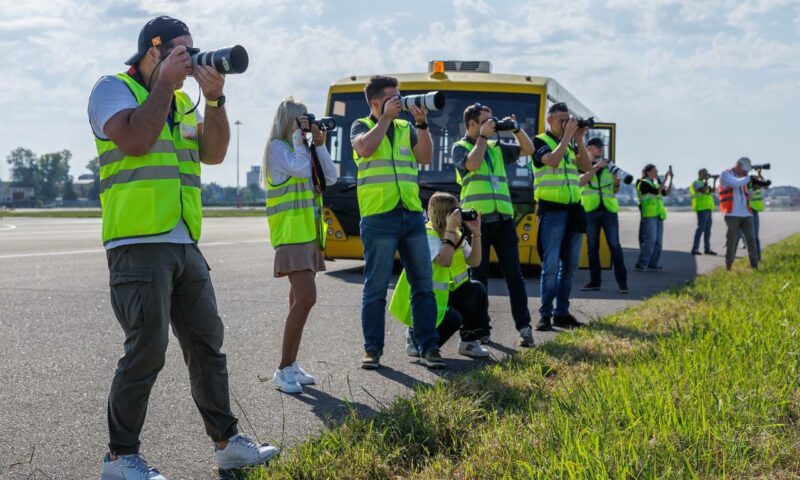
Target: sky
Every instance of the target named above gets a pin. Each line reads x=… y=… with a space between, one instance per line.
x=689 y=83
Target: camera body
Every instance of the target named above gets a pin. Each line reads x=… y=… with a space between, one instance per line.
x=225 y=60
x=759 y=183
x=432 y=101
x=585 y=122
x=323 y=123
x=626 y=177
x=469 y=215
x=505 y=125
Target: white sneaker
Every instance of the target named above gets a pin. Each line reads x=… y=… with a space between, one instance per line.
x=128 y=467
x=285 y=380
x=243 y=452
x=472 y=349
x=411 y=344
x=302 y=377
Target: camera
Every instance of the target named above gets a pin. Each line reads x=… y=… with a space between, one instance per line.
x=715 y=177
x=432 y=101
x=323 y=123
x=626 y=177
x=225 y=60
x=764 y=166
x=758 y=183
x=505 y=125
x=469 y=215
x=585 y=122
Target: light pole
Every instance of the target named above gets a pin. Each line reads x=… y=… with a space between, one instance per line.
x=237 y=123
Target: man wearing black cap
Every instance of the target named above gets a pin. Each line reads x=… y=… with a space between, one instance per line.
x=598 y=196
x=150 y=144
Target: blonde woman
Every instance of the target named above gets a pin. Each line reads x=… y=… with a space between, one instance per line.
x=462 y=304
x=291 y=176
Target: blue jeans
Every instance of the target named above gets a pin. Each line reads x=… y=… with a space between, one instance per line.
x=755 y=231
x=382 y=235
x=651 y=232
x=560 y=250
x=609 y=222
x=703 y=229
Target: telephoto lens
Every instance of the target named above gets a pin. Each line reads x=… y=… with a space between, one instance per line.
x=626 y=177
x=764 y=166
x=432 y=101
x=323 y=123
x=225 y=60
x=585 y=122
x=505 y=125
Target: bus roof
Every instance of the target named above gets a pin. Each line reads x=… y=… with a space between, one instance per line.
x=555 y=92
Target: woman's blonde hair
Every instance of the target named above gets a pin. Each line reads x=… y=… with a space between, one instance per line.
x=439 y=207
x=283 y=127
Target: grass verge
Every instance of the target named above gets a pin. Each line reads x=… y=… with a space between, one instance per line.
x=697 y=382
x=96 y=213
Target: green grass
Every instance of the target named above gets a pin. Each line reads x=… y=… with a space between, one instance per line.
x=96 y=213
x=697 y=382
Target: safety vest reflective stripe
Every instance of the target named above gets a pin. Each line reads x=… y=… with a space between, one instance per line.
x=459 y=279
x=143 y=173
x=486 y=196
x=390 y=178
x=291 y=205
x=440 y=285
x=368 y=164
x=549 y=171
x=474 y=178
x=559 y=183
x=275 y=192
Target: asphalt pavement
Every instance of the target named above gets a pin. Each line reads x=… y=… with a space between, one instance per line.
x=59 y=341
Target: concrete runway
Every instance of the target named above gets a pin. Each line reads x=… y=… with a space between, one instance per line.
x=59 y=341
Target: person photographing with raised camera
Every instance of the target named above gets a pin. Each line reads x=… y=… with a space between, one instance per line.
x=559 y=154
x=387 y=151
x=480 y=170
x=151 y=142
x=703 y=205
x=734 y=203
x=651 y=191
x=598 y=196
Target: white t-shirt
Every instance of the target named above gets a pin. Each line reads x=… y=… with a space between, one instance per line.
x=283 y=162
x=110 y=96
x=435 y=246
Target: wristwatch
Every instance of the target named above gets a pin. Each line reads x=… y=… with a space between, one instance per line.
x=220 y=101
x=422 y=126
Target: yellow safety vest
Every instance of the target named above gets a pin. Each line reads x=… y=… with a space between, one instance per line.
x=701 y=201
x=148 y=195
x=650 y=204
x=756 y=199
x=601 y=186
x=560 y=184
x=445 y=279
x=389 y=175
x=294 y=211
x=486 y=189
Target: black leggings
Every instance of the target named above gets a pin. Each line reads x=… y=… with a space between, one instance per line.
x=468 y=311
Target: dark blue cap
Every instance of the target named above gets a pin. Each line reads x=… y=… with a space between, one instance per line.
x=158 y=31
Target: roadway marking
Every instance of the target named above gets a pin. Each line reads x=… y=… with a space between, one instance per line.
x=100 y=250
x=7 y=227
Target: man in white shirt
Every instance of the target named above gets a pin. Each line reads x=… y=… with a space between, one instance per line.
x=734 y=204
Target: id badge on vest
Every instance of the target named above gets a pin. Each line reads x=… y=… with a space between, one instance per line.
x=495 y=182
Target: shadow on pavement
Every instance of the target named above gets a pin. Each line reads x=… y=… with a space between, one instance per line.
x=329 y=409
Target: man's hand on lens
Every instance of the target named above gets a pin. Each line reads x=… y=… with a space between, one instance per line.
x=317 y=135
x=420 y=114
x=570 y=128
x=391 y=108
x=454 y=221
x=488 y=127
x=175 y=67
x=211 y=81
x=475 y=225
x=600 y=165
x=303 y=122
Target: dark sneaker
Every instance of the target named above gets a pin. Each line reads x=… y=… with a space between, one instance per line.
x=544 y=325
x=657 y=268
x=696 y=252
x=640 y=268
x=711 y=252
x=623 y=288
x=525 y=336
x=433 y=359
x=371 y=361
x=566 y=321
x=590 y=287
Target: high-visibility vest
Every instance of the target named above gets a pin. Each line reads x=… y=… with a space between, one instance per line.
x=757 y=200
x=294 y=211
x=701 y=201
x=148 y=195
x=445 y=279
x=651 y=204
x=726 y=197
x=389 y=175
x=560 y=184
x=486 y=189
x=600 y=187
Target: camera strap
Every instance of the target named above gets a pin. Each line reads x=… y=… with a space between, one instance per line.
x=317 y=174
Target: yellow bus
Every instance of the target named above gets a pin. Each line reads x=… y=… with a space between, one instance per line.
x=463 y=83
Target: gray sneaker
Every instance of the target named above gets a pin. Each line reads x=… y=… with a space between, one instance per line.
x=525 y=336
x=128 y=467
x=243 y=452
x=433 y=359
x=411 y=344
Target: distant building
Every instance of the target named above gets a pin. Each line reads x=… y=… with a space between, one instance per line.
x=83 y=185
x=10 y=194
x=254 y=175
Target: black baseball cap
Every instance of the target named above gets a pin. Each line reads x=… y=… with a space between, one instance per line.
x=558 y=107
x=596 y=141
x=158 y=31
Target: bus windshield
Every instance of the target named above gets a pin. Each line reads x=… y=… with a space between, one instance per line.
x=446 y=126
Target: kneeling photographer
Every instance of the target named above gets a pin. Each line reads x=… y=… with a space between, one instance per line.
x=598 y=196
x=461 y=303
x=480 y=170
